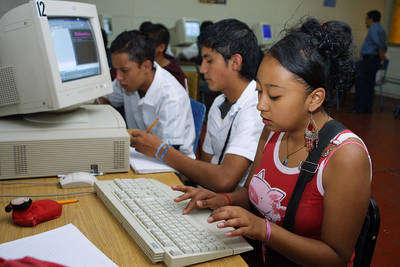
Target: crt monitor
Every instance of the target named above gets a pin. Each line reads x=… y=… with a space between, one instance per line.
x=52 y=57
x=185 y=32
x=263 y=33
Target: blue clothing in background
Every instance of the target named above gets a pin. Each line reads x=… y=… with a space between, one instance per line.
x=367 y=67
x=375 y=40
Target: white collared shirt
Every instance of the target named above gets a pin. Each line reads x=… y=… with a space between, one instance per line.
x=165 y=99
x=246 y=128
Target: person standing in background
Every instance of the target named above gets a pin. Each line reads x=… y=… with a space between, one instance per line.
x=373 y=54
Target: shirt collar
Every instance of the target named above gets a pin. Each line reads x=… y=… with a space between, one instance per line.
x=151 y=95
x=246 y=94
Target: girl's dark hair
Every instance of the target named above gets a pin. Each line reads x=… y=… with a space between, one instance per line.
x=321 y=55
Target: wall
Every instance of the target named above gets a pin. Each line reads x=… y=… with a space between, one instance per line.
x=392 y=89
x=128 y=14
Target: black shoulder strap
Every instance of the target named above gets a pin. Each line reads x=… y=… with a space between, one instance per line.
x=308 y=168
x=226 y=141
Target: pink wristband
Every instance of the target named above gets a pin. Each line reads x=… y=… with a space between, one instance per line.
x=268 y=233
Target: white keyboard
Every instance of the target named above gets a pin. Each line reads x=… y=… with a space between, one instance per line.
x=146 y=210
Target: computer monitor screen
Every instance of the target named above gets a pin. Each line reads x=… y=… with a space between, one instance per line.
x=266 y=31
x=54 y=55
x=263 y=32
x=75 y=48
x=185 y=32
x=192 y=29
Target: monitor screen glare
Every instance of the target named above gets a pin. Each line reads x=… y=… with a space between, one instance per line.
x=75 y=48
x=266 y=32
x=192 y=28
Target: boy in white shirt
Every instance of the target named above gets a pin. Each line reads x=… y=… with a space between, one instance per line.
x=148 y=92
x=230 y=60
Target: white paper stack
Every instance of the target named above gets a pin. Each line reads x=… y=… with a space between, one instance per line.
x=65 y=245
x=143 y=164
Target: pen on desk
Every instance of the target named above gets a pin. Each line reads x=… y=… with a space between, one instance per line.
x=152 y=125
x=67 y=201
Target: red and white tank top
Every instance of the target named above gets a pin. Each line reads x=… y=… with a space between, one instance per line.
x=271 y=186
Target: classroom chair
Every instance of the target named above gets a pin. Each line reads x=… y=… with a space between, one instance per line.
x=199 y=112
x=397 y=112
x=380 y=79
x=367 y=239
x=193 y=77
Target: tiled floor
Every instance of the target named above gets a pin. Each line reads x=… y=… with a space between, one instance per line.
x=381 y=133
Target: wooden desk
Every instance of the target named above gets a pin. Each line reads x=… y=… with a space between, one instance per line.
x=92 y=218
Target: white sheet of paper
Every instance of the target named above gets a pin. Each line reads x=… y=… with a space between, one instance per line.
x=64 y=245
x=143 y=164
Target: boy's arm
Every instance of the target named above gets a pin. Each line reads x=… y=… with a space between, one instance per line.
x=206 y=157
x=102 y=100
x=219 y=178
x=116 y=98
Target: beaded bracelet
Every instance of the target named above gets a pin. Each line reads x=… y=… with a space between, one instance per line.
x=268 y=232
x=164 y=152
x=227 y=196
x=158 y=150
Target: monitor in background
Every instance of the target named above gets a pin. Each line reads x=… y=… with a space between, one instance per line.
x=107 y=26
x=263 y=33
x=106 y=23
x=185 y=32
x=52 y=57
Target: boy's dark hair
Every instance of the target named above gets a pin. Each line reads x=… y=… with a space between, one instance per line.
x=320 y=55
x=145 y=24
x=205 y=24
x=136 y=44
x=159 y=34
x=229 y=37
x=375 y=15
x=105 y=38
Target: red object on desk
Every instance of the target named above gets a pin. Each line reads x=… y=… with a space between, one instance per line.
x=27 y=262
x=39 y=211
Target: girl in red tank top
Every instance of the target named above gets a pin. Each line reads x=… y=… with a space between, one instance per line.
x=294 y=82
x=272 y=184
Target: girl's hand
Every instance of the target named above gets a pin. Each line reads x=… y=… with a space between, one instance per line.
x=244 y=222
x=200 y=197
